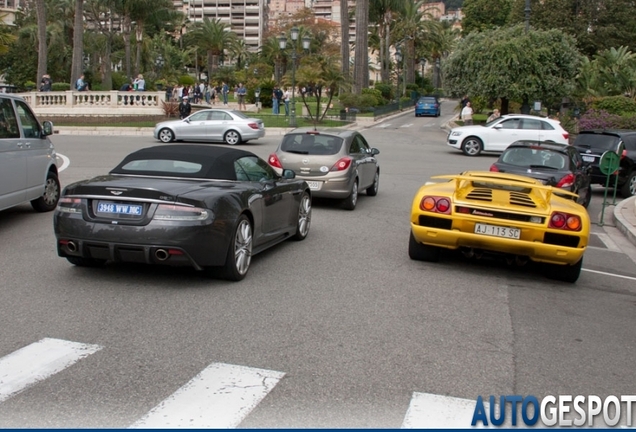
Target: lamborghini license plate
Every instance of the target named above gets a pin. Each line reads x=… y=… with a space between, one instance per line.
x=498 y=231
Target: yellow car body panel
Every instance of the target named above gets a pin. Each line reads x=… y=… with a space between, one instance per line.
x=502 y=201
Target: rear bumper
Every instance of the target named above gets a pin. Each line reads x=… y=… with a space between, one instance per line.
x=192 y=245
x=535 y=250
x=330 y=187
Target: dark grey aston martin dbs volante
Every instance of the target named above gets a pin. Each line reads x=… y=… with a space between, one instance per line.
x=208 y=207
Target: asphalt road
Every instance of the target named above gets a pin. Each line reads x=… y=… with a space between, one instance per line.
x=355 y=326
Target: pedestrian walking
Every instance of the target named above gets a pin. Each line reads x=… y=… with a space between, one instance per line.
x=225 y=90
x=286 y=101
x=463 y=103
x=467 y=114
x=277 y=97
x=241 y=93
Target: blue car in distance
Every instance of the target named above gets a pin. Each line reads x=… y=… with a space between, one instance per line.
x=428 y=105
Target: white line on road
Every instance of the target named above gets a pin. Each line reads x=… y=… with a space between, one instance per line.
x=38 y=361
x=610 y=274
x=65 y=162
x=407 y=125
x=608 y=242
x=428 y=410
x=385 y=125
x=218 y=397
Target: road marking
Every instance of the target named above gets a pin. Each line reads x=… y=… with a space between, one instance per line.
x=428 y=410
x=407 y=125
x=65 y=162
x=610 y=274
x=608 y=242
x=37 y=362
x=385 y=125
x=218 y=397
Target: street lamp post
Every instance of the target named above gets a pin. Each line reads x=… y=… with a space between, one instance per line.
x=398 y=59
x=159 y=62
x=282 y=43
x=257 y=95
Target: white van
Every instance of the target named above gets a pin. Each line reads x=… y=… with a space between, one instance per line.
x=28 y=170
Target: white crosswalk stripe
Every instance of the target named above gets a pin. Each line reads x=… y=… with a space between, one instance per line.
x=407 y=125
x=438 y=412
x=219 y=397
x=37 y=362
x=384 y=125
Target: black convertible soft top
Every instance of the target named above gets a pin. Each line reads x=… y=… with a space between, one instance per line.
x=217 y=162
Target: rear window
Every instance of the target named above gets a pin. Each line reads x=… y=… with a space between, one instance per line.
x=597 y=141
x=427 y=100
x=165 y=166
x=311 y=144
x=528 y=157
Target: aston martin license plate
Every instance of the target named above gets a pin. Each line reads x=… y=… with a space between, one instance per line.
x=118 y=208
x=314 y=185
x=498 y=231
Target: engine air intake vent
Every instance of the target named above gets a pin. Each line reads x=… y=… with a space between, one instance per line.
x=521 y=199
x=480 y=194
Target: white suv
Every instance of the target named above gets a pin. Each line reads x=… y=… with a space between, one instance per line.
x=28 y=170
x=497 y=135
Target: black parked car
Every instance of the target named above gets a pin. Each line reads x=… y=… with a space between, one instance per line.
x=592 y=145
x=555 y=164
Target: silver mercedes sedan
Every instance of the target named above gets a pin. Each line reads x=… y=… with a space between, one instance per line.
x=216 y=125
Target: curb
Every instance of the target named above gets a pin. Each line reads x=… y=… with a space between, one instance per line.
x=625 y=218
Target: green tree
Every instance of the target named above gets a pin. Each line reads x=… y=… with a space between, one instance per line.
x=482 y=15
x=361 y=58
x=509 y=64
x=78 y=42
x=212 y=36
x=597 y=25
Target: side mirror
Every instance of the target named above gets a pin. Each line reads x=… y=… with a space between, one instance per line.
x=497 y=126
x=47 y=128
x=289 y=174
x=375 y=151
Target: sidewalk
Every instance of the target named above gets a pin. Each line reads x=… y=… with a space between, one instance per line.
x=625 y=218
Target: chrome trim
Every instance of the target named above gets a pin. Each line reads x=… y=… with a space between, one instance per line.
x=142 y=200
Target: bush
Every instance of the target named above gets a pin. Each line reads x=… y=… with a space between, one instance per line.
x=363 y=102
x=30 y=86
x=60 y=86
x=479 y=103
x=386 y=90
x=615 y=105
x=119 y=79
x=170 y=109
x=186 y=80
x=376 y=94
x=599 y=119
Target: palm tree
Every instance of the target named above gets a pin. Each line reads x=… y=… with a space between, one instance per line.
x=361 y=62
x=344 y=37
x=78 y=42
x=270 y=53
x=213 y=36
x=382 y=14
x=6 y=38
x=40 y=11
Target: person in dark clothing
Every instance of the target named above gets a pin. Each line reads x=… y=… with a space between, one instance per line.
x=185 y=108
x=126 y=87
x=46 y=83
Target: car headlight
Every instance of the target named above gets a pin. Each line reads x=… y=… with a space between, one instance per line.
x=456 y=133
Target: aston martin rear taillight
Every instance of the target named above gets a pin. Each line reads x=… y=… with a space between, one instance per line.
x=172 y=212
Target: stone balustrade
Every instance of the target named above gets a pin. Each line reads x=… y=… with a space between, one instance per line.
x=95 y=103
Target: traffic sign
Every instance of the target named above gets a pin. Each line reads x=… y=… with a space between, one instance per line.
x=609 y=163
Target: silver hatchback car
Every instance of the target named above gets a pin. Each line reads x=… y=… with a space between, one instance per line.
x=335 y=163
x=218 y=125
x=28 y=170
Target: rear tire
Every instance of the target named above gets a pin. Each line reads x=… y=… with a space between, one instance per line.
x=588 y=197
x=564 y=273
x=50 y=197
x=85 y=262
x=422 y=252
x=239 y=254
x=304 y=217
x=350 y=202
x=472 y=146
x=232 y=137
x=373 y=189
x=629 y=188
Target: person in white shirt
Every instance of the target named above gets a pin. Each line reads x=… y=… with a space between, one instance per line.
x=467 y=114
x=286 y=100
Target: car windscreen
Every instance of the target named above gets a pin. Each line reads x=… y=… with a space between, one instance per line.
x=311 y=144
x=601 y=142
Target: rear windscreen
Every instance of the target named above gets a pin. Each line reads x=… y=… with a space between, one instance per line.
x=597 y=141
x=311 y=144
x=427 y=100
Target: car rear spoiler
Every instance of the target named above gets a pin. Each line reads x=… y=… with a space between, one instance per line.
x=548 y=190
